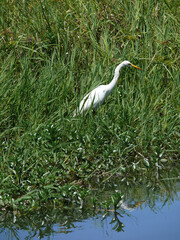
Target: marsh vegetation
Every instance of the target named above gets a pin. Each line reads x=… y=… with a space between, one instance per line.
x=51 y=54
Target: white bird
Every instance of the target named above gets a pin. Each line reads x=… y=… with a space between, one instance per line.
x=97 y=96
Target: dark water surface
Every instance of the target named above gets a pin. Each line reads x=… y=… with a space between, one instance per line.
x=150 y=210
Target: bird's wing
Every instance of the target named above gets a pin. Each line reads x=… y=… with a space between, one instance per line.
x=92 y=99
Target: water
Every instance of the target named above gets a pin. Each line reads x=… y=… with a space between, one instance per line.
x=140 y=225
x=144 y=213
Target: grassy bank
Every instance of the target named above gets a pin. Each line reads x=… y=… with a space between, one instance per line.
x=51 y=54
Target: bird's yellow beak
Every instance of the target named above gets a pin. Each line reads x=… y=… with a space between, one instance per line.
x=135 y=66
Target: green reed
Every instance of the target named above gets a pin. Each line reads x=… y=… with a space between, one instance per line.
x=52 y=54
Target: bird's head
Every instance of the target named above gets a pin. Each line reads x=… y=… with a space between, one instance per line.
x=127 y=63
x=123 y=64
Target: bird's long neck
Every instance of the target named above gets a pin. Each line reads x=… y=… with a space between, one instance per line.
x=112 y=84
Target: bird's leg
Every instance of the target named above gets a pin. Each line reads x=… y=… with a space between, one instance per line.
x=94 y=111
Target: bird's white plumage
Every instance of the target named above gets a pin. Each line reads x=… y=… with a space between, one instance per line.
x=94 y=99
x=97 y=96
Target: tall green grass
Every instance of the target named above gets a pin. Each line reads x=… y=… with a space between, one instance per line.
x=51 y=54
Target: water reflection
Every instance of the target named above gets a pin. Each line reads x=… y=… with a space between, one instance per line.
x=116 y=198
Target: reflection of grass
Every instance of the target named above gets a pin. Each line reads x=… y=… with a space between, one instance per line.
x=123 y=197
x=52 y=53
